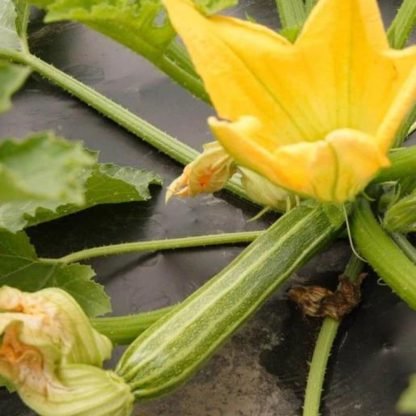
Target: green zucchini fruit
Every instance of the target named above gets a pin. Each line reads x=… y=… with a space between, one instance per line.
x=172 y=349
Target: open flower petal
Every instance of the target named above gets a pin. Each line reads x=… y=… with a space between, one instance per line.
x=334 y=169
x=404 y=63
x=339 y=75
x=236 y=60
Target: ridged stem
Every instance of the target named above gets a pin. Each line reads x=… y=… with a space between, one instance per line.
x=167 y=144
x=383 y=254
x=403 y=164
x=123 y=330
x=291 y=13
x=403 y=24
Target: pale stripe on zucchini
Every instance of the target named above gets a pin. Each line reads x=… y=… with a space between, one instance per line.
x=172 y=349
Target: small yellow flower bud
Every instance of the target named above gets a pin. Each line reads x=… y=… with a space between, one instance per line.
x=207 y=173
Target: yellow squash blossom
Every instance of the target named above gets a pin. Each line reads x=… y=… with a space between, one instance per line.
x=316 y=117
x=52 y=356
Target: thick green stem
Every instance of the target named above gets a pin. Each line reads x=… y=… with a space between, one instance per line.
x=156 y=245
x=403 y=164
x=406 y=128
x=383 y=254
x=123 y=330
x=167 y=144
x=309 y=5
x=322 y=351
x=291 y=13
x=152 y=135
x=403 y=24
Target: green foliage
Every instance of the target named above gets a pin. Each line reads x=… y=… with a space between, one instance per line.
x=43 y=168
x=12 y=31
x=139 y=24
x=22 y=14
x=9 y=38
x=12 y=78
x=407 y=402
x=106 y=184
x=31 y=194
x=21 y=268
x=292 y=15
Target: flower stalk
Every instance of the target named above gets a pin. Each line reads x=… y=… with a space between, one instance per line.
x=157 y=245
x=372 y=242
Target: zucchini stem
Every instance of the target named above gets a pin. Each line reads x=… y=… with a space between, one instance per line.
x=403 y=25
x=123 y=330
x=373 y=242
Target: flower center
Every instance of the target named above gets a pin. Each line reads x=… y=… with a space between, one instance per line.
x=19 y=360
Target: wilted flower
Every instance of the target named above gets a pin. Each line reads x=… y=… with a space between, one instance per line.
x=206 y=174
x=52 y=356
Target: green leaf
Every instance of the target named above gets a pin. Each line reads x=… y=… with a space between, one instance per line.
x=21 y=268
x=22 y=9
x=12 y=26
x=43 y=168
x=110 y=184
x=407 y=401
x=12 y=78
x=9 y=38
x=138 y=24
x=106 y=184
x=214 y=6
